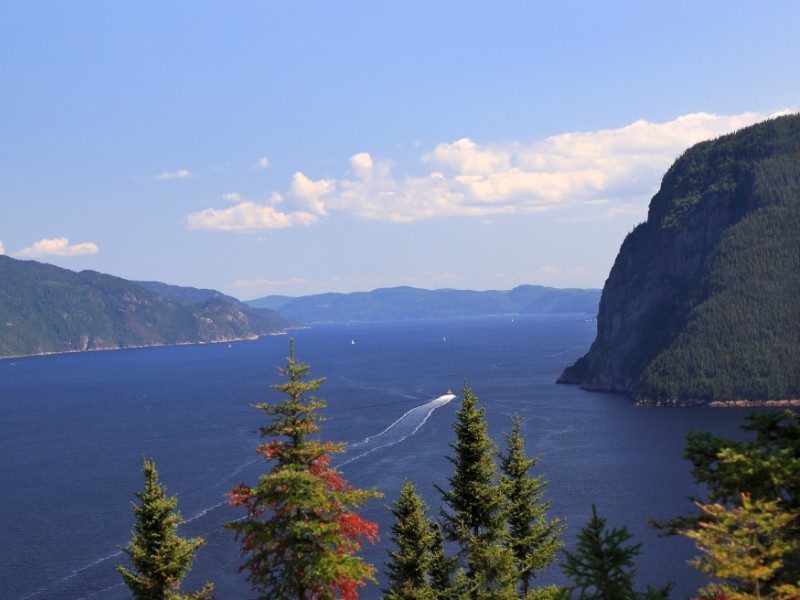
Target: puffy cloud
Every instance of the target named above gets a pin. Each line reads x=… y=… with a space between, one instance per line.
x=362 y=165
x=309 y=193
x=466 y=157
x=180 y=174
x=58 y=247
x=603 y=173
x=248 y=216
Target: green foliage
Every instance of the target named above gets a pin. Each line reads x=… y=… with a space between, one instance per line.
x=744 y=545
x=741 y=337
x=473 y=507
x=743 y=341
x=300 y=535
x=601 y=568
x=48 y=309
x=702 y=301
x=441 y=566
x=160 y=558
x=408 y=569
x=765 y=468
x=533 y=539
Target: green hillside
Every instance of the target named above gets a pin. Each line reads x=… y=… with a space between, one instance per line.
x=46 y=309
x=703 y=301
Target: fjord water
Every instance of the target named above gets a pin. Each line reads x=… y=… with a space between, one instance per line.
x=74 y=428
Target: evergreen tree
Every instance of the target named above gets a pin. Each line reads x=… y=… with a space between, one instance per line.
x=533 y=539
x=300 y=535
x=409 y=567
x=160 y=558
x=601 y=568
x=745 y=546
x=472 y=511
x=765 y=468
x=442 y=566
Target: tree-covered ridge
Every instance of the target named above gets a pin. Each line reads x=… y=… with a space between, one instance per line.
x=413 y=303
x=743 y=340
x=702 y=302
x=45 y=309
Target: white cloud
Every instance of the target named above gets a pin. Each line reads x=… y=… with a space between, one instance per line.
x=309 y=193
x=466 y=157
x=362 y=165
x=248 y=216
x=262 y=163
x=180 y=174
x=2 y=249
x=58 y=247
x=602 y=173
x=232 y=197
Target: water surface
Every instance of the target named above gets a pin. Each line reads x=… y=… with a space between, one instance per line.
x=74 y=429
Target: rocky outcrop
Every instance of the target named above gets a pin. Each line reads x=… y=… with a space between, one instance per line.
x=677 y=271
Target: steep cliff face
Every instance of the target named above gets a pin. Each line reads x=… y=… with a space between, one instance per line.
x=678 y=273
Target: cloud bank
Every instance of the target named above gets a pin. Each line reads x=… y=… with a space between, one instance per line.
x=57 y=247
x=603 y=173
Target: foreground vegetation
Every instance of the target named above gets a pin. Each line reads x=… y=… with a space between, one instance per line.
x=301 y=535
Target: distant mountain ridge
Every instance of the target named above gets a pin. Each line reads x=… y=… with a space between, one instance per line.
x=702 y=304
x=46 y=309
x=415 y=303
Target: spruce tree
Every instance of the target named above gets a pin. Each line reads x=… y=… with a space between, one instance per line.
x=300 y=535
x=533 y=538
x=602 y=565
x=601 y=568
x=408 y=569
x=441 y=567
x=472 y=511
x=160 y=558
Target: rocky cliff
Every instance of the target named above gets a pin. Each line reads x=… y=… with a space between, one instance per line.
x=703 y=301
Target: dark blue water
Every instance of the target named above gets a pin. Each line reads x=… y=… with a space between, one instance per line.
x=73 y=430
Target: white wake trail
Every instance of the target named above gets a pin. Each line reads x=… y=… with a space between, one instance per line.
x=400 y=430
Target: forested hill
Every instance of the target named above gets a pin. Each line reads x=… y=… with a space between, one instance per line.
x=46 y=309
x=415 y=303
x=703 y=301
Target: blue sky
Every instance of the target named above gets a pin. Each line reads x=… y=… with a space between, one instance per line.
x=303 y=147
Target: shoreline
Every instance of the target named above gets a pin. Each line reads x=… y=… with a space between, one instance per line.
x=160 y=345
x=718 y=403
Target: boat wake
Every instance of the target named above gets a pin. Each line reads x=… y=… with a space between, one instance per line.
x=400 y=430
